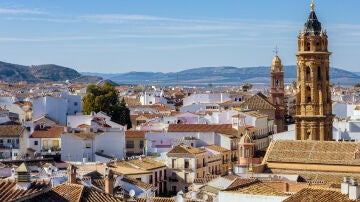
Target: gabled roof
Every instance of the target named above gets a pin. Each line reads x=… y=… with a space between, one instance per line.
x=22 y=168
x=11 y=130
x=9 y=192
x=218 y=128
x=48 y=132
x=135 y=134
x=314 y=152
x=217 y=148
x=142 y=185
x=185 y=149
x=319 y=195
x=146 y=163
x=257 y=102
x=73 y=192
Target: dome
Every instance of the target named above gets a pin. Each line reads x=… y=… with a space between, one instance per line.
x=276 y=64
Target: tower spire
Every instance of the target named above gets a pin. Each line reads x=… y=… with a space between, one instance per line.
x=312 y=5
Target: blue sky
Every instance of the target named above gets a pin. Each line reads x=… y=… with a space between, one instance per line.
x=115 y=36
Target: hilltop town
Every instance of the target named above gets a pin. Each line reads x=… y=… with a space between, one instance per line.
x=299 y=141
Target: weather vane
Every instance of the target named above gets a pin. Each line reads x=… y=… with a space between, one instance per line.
x=312 y=5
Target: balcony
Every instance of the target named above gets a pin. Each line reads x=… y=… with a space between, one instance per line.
x=51 y=151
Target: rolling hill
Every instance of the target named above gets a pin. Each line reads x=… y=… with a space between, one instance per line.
x=42 y=73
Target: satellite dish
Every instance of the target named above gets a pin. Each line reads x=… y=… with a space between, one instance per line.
x=131 y=193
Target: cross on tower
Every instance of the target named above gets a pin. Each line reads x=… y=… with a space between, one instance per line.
x=276 y=51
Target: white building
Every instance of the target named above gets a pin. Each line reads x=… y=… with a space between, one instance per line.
x=56 y=108
x=88 y=135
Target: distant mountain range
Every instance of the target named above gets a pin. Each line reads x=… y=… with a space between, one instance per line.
x=221 y=75
x=195 y=76
x=42 y=73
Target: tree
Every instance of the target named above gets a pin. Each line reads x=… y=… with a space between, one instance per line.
x=100 y=98
x=105 y=98
x=121 y=114
x=357 y=85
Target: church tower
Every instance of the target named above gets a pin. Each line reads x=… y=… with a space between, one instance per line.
x=277 y=92
x=313 y=100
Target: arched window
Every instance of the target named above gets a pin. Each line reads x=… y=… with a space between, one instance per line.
x=307 y=74
x=319 y=73
x=307 y=46
x=308 y=94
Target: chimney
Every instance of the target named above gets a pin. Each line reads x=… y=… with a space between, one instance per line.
x=354 y=190
x=71 y=174
x=345 y=185
x=286 y=187
x=109 y=181
x=23 y=177
x=230 y=171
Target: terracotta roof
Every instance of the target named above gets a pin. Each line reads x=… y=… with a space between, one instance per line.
x=161 y=108
x=84 y=135
x=218 y=128
x=314 y=152
x=205 y=179
x=260 y=189
x=217 y=148
x=159 y=199
x=146 y=163
x=49 y=132
x=9 y=192
x=73 y=192
x=255 y=114
x=185 y=149
x=319 y=195
x=135 y=134
x=138 y=183
x=258 y=101
x=11 y=130
x=316 y=176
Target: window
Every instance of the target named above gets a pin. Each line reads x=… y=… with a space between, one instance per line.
x=75 y=103
x=36 y=143
x=129 y=144
x=165 y=174
x=9 y=141
x=150 y=179
x=87 y=145
x=174 y=189
x=139 y=178
x=141 y=145
x=17 y=141
x=308 y=99
x=15 y=154
x=319 y=74
x=247 y=153
x=186 y=163
x=307 y=73
x=173 y=163
x=1 y=141
x=160 y=174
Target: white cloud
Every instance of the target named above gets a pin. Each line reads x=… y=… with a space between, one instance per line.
x=21 y=11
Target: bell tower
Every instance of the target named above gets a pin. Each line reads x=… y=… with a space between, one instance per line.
x=313 y=101
x=277 y=91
